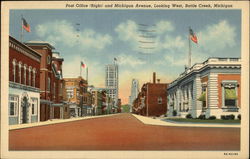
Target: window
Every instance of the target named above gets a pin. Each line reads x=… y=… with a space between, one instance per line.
x=34 y=106
x=61 y=88
x=24 y=74
x=48 y=59
x=159 y=100
x=203 y=96
x=48 y=84
x=70 y=92
x=230 y=96
x=54 y=90
x=34 y=77
x=20 y=72
x=13 y=105
x=30 y=68
x=14 y=70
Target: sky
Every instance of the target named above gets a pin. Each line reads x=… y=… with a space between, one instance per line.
x=96 y=37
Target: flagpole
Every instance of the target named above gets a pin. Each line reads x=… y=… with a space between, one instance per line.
x=80 y=70
x=189 y=54
x=87 y=74
x=21 y=36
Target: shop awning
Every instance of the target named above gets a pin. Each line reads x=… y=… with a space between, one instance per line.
x=42 y=101
x=230 y=93
x=57 y=105
x=202 y=97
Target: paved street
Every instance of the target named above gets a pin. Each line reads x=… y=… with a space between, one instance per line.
x=122 y=132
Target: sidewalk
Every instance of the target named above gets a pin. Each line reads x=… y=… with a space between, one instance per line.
x=159 y=122
x=55 y=121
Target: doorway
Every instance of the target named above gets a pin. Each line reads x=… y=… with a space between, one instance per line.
x=24 y=113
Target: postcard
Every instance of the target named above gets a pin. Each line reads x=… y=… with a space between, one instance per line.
x=125 y=79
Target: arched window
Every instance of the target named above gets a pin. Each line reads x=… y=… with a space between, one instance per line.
x=30 y=68
x=24 y=74
x=20 y=71
x=48 y=86
x=34 y=77
x=54 y=90
x=14 y=70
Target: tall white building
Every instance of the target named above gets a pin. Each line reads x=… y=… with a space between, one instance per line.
x=134 y=92
x=112 y=82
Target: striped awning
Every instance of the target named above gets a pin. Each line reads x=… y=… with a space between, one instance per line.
x=230 y=93
x=202 y=97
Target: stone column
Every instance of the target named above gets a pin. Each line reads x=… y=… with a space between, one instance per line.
x=212 y=96
x=197 y=89
x=189 y=98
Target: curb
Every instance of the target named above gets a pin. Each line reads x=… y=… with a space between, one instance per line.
x=150 y=121
x=55 y=121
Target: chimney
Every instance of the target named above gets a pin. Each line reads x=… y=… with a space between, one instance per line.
x=154 y=76
x=158 y=80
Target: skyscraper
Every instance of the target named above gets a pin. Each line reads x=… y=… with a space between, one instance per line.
x=111 y=81
x=134 y=92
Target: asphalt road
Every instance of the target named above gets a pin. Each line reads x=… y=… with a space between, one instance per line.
x=122 y=132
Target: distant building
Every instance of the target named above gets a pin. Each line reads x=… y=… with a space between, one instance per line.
x=111 y=81
x=134 y=92
x=101 y=102
x=211 y=88
x=24 y=83
x=75 y=92
x=152 y=100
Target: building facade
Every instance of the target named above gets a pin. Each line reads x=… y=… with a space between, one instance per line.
x=60 y=107
x=45 y=49
x=24 y=83
x=152 y=100
x=211 y=88
x=101 y=102
x=75 y=92
x=134 y=92
x=112 y=81
x=51 y=84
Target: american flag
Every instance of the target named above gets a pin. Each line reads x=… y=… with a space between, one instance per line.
x=83 y=65
x=193 y=36
x=25 y=25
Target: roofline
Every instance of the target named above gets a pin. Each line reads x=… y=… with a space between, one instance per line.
x=23 y=44
x=40 y=44
x=58 y=59
x=180 y=78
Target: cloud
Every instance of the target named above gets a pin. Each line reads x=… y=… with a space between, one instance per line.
x=61 y=31
x=173 y=43
x=129 y=60
x=175 y=61
x=178 y=59
x=96 y=71
x=164 y=26
x=217 y=37
x=128 y=32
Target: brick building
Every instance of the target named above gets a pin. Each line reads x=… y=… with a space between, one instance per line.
x=102 y=103
x=24 y=83
x=51 y=102
x=211 y=88
x=152 y=100
x=60 y=107
x=75 y=92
